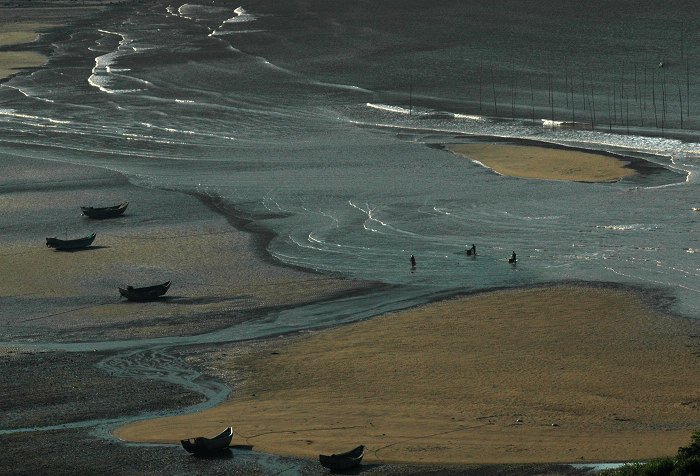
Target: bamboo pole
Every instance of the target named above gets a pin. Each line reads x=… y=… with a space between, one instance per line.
x=687 y=88
x=532 y=101
x=481 y=72
x=680 y=103
x=551 y=96
x=592 y=102
x=493 y=90
x=513 y=83
x=653 y=99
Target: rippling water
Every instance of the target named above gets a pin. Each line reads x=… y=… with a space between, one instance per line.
x=324 y=119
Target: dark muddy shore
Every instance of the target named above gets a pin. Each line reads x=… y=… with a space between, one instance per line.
x=45 y=389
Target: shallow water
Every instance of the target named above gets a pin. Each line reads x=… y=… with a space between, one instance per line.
x=322 y=119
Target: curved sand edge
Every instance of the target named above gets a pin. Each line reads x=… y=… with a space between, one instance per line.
x=12 y=62
x=558 y=374
x=528 y=161
x=25 y=20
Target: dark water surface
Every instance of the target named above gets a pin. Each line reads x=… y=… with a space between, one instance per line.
x=326 y=118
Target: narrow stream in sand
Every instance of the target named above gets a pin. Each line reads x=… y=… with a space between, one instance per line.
x=150 y=359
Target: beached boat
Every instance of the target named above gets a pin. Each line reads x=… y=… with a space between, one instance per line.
x=202 y=445
x=147 y=293
x=105 y=212
x=343 y=461
x=70 y=244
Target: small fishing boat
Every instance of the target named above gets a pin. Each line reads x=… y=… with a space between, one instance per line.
x=343 y=461
x=70 y=244
x=105 y=212
x=147 y=293
x=202 y=445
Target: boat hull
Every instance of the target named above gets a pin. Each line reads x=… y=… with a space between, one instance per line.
x=343 y=461
x=105 y=212
x=148 y=293
x=76 y=244
x=203 y=446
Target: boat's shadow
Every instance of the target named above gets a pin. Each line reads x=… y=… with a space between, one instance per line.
x=226 y=453
x=358 y=470
x=85 y=217
x=223 y=454
x=190 y=300
x=76 y=250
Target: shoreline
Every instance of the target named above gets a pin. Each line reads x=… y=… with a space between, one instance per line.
x=259 y=237
x=223 y=277
x=269 y=414
x=640 y=165
x=23 y=24
x=218 y=271
x=228 y=237
x=549 y=163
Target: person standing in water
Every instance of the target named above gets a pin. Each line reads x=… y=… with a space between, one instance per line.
x=512 y=259
x=472 y=251
x=413 y=261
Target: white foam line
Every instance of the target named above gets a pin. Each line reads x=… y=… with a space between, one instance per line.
x=647 y=143
x=25 y=93
x=103 y=71
x=403 y=110
x=12 y=113
x=563 y=142
x=349 y=87
x=186 y=132
x=372 y=218
x=384 y=107
x=313 y=239
x=664 y=283
x=305 y=246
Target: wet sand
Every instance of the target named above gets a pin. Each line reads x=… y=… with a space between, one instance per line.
x=545 y=162
x=558 y=374
x=459 y=406
x=217 y=274
x=222 y=275
x=23 y=22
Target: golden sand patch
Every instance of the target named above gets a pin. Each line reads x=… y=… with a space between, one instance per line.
x=545 y=163
x=558 y=374
x=213 y=270
x=17 y=33
x=26 y=19
x=14 y=33
x=12 y=62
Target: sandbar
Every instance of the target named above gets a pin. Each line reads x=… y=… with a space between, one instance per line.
x=551 y=374
x=23 y=23
x=220 y=273
x=528 y=161
x=217 y=274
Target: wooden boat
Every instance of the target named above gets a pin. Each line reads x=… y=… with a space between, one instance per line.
x=70 y=244
x=147 y=293
x=202 y=445
x=105 y=212
x=343 y=461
